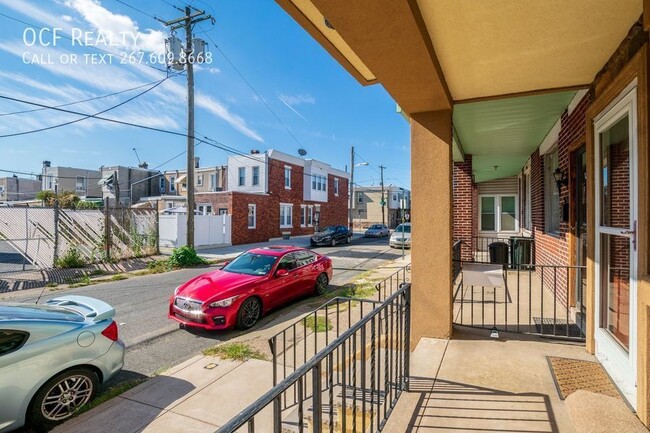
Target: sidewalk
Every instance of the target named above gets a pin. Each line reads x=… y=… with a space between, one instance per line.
x=202 y=393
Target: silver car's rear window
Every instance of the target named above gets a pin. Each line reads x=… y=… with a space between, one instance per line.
x=38 y=312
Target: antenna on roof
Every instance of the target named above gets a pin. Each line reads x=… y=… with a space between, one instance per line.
x=137 y=156
x=302 y=152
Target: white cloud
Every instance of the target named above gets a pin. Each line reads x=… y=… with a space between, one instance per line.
x=298 y=99
x=120 y=30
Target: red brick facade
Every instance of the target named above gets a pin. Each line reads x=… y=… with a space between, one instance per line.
x=465 y=206
x=267 y=206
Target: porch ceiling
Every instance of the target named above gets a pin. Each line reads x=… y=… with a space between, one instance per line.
x=504 y=132
x=502 y=47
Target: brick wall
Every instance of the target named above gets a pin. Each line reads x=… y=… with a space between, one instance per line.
x=335 y=211
x=464 y=205
x=553 y=248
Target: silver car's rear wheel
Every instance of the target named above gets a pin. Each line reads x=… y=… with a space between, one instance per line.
x=62 y=396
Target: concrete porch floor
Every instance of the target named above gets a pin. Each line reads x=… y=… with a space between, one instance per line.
x=474 y=384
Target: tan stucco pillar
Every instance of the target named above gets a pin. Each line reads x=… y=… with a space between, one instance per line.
x=431 y=213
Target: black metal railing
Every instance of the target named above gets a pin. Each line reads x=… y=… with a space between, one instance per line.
x=517 y=250
x=302 y=340
x=393 y=282
x=351 y=385
x=527 y=299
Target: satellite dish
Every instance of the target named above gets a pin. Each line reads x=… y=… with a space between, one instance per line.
x=302 y=152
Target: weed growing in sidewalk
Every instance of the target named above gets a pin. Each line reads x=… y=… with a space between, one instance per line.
x=318 y=323
x=234 y=351
x=119 y=277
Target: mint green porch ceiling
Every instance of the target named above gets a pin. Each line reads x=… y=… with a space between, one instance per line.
x=504 y=132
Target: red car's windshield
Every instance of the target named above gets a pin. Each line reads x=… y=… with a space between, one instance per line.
x=251 y=264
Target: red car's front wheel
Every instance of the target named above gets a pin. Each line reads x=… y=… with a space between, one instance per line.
x=249 y=313
x=321 y=284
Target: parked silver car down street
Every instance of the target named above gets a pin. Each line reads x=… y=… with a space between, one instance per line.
x=53 y=357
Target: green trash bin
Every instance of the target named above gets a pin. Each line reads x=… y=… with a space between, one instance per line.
x=521 y=250
x=498 y=253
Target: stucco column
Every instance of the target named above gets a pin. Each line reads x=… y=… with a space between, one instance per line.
x=431 y=216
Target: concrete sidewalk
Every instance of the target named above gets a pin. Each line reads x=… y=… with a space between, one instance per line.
x=198 y=395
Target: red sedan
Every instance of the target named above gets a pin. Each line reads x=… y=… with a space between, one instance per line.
x=257 y=281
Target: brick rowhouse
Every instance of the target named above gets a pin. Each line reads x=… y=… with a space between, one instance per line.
x=465 y=196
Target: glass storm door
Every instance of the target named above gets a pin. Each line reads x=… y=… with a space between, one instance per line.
x=580 y=232
x=615 y=160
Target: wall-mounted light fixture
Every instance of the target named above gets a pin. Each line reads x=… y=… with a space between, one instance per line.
x=560 y=178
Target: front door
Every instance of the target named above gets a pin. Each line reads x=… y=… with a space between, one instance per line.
x=615 y=250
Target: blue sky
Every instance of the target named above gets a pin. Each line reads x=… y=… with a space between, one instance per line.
x=324 y=107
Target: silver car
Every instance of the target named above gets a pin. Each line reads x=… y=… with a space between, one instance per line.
x=377 y=231
x=53 y=357
x=401 y=237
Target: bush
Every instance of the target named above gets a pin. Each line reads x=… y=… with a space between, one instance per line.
x=71 y=259
x=185 y=256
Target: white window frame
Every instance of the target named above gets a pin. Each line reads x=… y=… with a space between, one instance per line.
x=283 y=218
x=303 y=215
x=241 y=172
x=528 y=210
x=310 y=215
x=2 y=190
x=497 y=213
x=199 y=180
x=287 y=177
x=359 y=197
x=83 y=183
x=550 y=193
x=336 y=186
x=255 y=176
x=161 y=184
x=252 y=207
x=172 y=183
x=213 y=182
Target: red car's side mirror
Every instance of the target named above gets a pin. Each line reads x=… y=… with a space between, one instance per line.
x=282 y=273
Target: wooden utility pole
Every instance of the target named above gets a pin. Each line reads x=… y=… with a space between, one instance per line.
x=383 y=198
x=186 y=22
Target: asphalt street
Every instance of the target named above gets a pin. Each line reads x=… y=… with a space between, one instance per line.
x=155 y=343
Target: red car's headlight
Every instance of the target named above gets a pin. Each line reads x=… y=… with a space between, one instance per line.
x=224 y=302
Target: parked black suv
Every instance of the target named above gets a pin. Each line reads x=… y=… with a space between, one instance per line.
x=331 y=235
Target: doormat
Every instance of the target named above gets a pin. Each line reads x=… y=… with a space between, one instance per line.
x=570 y=375
x=557 y=327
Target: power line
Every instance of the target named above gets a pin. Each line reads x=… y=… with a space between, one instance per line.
x=16 y=134
x=136 y=9
x=254 y=91
x=70 y=38
x=84 y=100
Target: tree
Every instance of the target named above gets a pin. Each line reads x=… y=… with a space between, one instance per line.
x=46 y=197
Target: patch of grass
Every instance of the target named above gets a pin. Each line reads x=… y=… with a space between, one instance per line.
x=71 y=259
x=234 y=351
x=318 y=323
x=158 y=267
x=52 y=285
x=119 y=277
x=109 y=394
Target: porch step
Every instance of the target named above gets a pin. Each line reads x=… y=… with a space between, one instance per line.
x=598 y=413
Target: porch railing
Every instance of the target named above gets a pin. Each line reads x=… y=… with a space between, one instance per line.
x=480 y=249
x=393 y=282
x=351 y=385
x=532 y=299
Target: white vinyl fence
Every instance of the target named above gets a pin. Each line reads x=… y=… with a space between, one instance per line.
x=208 y=230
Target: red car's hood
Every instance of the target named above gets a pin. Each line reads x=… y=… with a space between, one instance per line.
x=216 y=284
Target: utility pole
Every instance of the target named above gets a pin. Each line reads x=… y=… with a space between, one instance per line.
x=383 y=199
x=187 y=22
x=351 y=188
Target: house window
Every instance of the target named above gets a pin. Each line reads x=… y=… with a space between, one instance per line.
x=303 y=215
x=336 y=186
x=498 y=213
x=242 y=176
x=172 y=184
x=169 y=204
x=324 y=183
x=287 y=177
x=359 y=197
x=252 y=215
x=2 y=190
x=213 y=182
x=313 y=182
x=162 y=184
x=199 y=180
x=204 y=209
x=551 y=194
x=256 y=176
x=49 y=182
x=394 y=197
x=223 y=211
x=81 y=183
x=286 y=211
x=310 y=216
